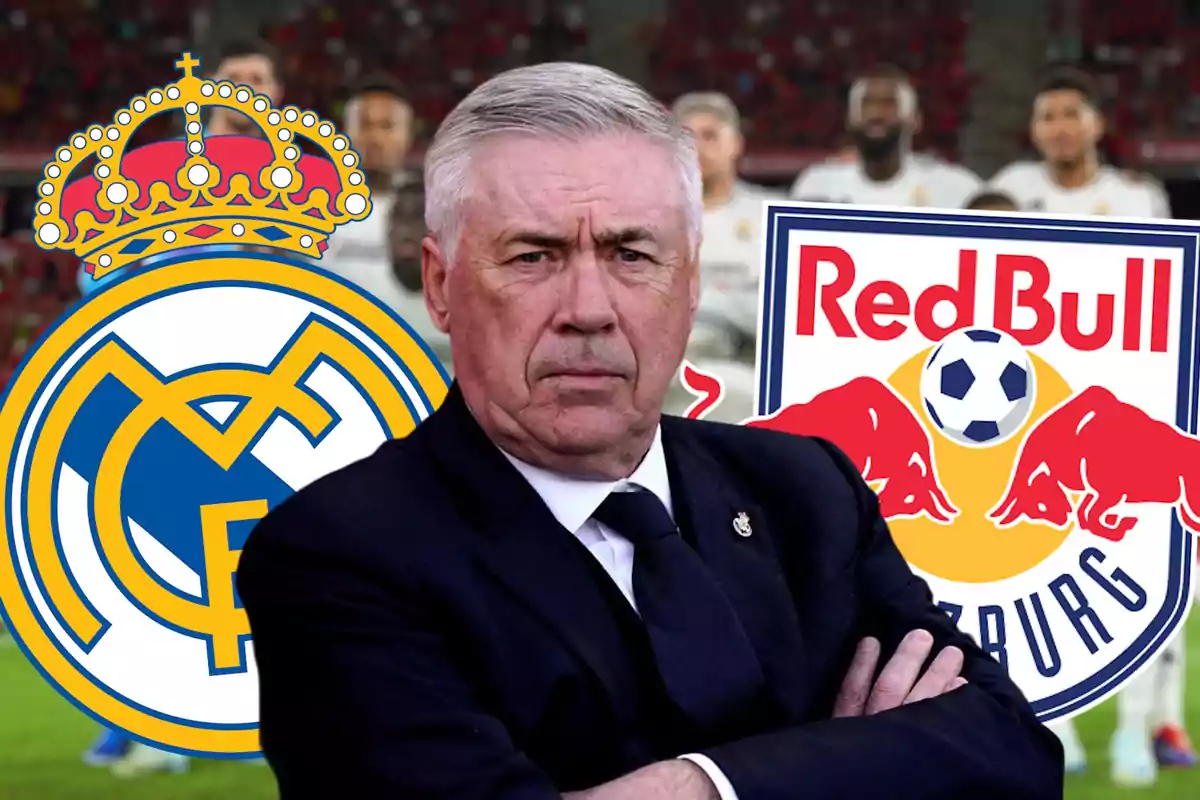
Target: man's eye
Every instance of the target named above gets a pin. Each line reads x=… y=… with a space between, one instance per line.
x=632 y=256
x=536 y=257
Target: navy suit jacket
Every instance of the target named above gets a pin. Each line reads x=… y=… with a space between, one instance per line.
x=425 y=628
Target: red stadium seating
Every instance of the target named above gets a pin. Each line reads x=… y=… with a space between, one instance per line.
x=67 y=63
x=789 y=63
x=35 y=288
x=1141 y=55
x=440 y=51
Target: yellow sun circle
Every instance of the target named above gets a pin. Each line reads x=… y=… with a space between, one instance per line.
x=972 y=549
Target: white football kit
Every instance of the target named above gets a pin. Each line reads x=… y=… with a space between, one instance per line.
x=730 y=261
x=359 y=252
x=923 y=181
x=1111 y=193
x=726 y=327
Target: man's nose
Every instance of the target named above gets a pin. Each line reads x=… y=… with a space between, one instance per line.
x=587 y=302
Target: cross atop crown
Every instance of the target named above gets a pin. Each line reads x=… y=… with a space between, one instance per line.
x=187 y=64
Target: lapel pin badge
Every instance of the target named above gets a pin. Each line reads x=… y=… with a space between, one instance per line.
x=741 y=524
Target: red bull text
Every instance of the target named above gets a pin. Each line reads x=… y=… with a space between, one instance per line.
x=1021 y=394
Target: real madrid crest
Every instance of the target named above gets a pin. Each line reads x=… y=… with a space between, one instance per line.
x=158 y=420
x=741 y=524
x=743 y=230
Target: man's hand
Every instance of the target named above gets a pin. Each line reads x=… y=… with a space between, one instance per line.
x=900 y=682
x=677 y=779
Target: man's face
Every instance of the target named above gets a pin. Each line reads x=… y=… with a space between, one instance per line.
x=406 y=229
x=379 y=126
x=718 y=144
x=1065 y=127
x=254 y=71
x=880 y=124
x=573 y=290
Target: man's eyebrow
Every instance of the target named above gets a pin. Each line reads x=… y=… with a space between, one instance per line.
x=616 y=238
x=612 y=238
x=535 y=239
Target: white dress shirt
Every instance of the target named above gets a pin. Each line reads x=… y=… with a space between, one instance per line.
x=573 y=501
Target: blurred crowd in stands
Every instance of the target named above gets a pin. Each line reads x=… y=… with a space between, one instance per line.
x=786 y=64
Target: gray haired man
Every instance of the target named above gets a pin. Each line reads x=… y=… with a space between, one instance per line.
x=550 y=588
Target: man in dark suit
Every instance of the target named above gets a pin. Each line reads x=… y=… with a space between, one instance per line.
x=551 y=589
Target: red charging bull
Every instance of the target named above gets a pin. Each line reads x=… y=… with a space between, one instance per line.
x=1022 y=396
x=1083 y=449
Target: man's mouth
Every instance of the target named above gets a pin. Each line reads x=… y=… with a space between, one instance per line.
x=584 y=373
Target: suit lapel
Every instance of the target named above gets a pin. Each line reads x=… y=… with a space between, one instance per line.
x=719 y=517
x=524 y=546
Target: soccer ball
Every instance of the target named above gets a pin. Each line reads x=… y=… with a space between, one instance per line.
x=978 y=387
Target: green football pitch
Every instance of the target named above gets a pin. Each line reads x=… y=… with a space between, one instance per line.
x=42 y=737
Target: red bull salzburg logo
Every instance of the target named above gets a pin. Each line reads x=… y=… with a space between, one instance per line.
x=1018 y=393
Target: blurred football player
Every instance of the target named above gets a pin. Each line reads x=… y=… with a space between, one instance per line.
x=250 y=63
x=726 y=329
x=382 y=253
x=1066 y=128
x=378 y=121
x=406 y=230
x=882 y=118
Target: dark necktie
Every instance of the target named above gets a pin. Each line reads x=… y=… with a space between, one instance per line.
x=703 y=655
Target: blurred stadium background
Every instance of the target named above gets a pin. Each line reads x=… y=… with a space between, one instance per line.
x=787 y=64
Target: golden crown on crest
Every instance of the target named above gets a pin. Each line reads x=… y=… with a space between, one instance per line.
x=228 y=190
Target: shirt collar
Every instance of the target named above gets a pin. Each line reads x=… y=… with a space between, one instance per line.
x=572 y=501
